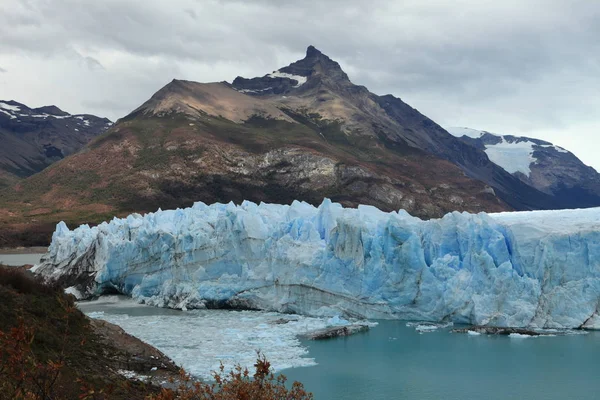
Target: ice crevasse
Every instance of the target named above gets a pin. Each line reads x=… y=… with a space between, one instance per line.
x=520 y=269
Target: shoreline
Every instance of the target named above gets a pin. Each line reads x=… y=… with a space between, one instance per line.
x=24 y=250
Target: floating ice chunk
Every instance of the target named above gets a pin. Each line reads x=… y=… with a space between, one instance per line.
x=426 y=328
x=520 y=336
x=337 y=321
x=205 y=338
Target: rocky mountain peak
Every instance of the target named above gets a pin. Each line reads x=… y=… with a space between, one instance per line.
x=316 y=64
x=311 y=71
x=312 y=51
x=51 y=110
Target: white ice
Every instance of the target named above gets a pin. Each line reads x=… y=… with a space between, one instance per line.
x=460 y=132
x=9 y=114
x=301 y=79
x=536 y=269
x=205 y=338
x=513 y=157
x=9 y=107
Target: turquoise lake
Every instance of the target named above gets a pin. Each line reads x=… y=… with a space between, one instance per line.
x=391 y=361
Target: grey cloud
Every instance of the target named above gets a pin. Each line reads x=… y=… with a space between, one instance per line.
x=92 y=63
x=2 y=70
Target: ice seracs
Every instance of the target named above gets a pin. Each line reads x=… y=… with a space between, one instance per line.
x=528 y=269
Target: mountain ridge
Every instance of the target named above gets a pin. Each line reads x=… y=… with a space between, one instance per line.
x=303 y=132
x=546 y=167
x=34 y=138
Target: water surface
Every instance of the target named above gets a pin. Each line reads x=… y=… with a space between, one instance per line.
x=15 y=260
x=391 y=361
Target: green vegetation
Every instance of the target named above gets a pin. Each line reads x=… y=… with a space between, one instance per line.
x=49 y=350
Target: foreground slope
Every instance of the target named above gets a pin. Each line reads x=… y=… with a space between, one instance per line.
x=33 y=138
x=522 y=269
x=542 y=165
x=50 y=350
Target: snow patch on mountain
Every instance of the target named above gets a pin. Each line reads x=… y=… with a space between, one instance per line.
x=460 y=132
x=45 y=116
x=513 y=153
x=536 y=269
x=9 y=114
x=83 y=119
x=9 y=107
x=254 y=90
x=301 y=79
x=561 y=150
x=513 y=157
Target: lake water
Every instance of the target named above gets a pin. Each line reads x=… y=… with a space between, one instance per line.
x=391 y=361
x=20 y=259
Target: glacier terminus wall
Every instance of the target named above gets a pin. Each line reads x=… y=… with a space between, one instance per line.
x=537 y=269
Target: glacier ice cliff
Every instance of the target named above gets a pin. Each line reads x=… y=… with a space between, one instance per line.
x=523 y=269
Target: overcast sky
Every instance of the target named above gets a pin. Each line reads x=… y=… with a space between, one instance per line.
x=524 y=67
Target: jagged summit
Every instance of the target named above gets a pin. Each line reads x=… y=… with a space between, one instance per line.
x=51 y=110
x=313 y=70
x=316 y=63
x=312 y=51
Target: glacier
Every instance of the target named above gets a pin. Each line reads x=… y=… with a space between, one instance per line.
x=538 y=269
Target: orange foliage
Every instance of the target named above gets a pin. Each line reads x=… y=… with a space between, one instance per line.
x=22 y=376
x=238 y=385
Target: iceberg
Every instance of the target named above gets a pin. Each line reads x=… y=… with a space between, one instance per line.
x=538 y=269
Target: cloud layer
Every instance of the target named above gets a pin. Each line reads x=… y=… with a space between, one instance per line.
x=529 y=67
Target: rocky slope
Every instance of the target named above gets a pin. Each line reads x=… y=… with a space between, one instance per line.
x=311 y=136
x=540 y=164
x=51 y=350
x=33 y=138
x=318 y=86
x=303 y=132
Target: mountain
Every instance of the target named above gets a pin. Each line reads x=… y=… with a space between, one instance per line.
x=302 y=132
x=318 y=86
x=540 y=164
x=33 y=138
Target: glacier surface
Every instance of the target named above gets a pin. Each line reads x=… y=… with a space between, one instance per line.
x=523 y=269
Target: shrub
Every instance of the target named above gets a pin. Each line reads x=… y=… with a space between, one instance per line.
x=238 y=385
